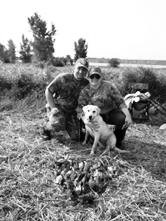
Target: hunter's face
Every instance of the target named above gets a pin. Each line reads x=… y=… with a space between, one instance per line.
x=80 y=73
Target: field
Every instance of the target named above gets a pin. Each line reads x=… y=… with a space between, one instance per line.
x=29 y=190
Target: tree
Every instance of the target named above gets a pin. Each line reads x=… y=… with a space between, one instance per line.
x=69 y=60
x=43 y=44
x=2 y=52
x=11 y=52
x=114 y=62
x=80 y=49
x=25 y=51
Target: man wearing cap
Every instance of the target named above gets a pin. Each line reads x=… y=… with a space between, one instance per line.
x=108 y=98
x=62 y=96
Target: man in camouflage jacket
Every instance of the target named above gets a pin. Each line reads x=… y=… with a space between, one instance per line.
x=62 y=93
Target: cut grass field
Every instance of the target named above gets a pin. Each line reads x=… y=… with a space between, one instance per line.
x=28 y=191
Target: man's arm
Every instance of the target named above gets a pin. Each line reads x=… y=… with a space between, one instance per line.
x=128 y=119
x=52 y=91
x=49 y=98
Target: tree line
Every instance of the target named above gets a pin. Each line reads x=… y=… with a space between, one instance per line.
x=41 y=48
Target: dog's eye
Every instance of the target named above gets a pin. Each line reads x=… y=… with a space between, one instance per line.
x=94 y=112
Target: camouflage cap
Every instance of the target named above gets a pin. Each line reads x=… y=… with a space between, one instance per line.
x=95 y=70
x=82 y=62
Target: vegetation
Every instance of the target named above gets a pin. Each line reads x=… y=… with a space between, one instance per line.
x=80 y=49
x=8 y=55
x=157 y=85
x=43 y=44
x=114 y=62
x=2 y=53
x=58 y=61
x=11 y=51
x=25 y=50
x=134 y=184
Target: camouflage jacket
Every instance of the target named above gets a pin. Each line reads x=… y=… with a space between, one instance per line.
x=65 y=89
x=107 y=97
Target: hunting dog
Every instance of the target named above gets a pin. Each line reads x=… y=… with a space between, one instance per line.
x=102 y=133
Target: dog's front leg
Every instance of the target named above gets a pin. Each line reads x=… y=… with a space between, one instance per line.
x=86 y=136
x=96 y=140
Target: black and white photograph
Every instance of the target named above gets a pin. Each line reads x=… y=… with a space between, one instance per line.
x=83 y=110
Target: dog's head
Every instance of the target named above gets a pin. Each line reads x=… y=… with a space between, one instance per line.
x=90 y=112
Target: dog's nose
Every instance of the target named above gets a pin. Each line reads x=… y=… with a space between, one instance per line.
x=90 y=117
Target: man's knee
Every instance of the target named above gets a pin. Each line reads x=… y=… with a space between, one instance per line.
x=115 y=117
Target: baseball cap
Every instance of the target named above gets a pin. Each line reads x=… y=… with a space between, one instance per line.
x=82 y=62
x=96 y=70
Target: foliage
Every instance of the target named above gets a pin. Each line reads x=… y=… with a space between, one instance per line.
x=58 y=61
x=5 y=55
x=157 y=87
x=24 y=86
x=19 y=80
x=80 y=49
x=11 y=51
x=43 y=44
x=114 y=62
x=25 y=50
x=5 y=84
x=69 y=60
x=2 y=52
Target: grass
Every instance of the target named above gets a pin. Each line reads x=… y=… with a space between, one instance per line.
x=28 y=189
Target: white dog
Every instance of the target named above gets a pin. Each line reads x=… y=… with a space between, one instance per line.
x=97 y=128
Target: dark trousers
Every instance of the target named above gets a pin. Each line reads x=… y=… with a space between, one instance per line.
x=72 y=125
x=116 y=117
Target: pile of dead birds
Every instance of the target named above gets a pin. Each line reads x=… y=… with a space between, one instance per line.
x=85 y=180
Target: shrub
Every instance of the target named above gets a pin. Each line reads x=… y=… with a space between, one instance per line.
x=39 y=64
x=4 y=84
x=157 y=87
x=24 y=86
x=58 y=62
x=114 y=62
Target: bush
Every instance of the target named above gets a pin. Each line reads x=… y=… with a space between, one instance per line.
x=114 y=62
x=24 y=86
x=157 y=87
x=4 y=84
x=58 y=62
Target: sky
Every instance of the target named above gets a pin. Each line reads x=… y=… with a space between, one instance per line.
x=125 y=29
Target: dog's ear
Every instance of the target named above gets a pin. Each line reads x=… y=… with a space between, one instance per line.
x=98 y=109
x=85 y=108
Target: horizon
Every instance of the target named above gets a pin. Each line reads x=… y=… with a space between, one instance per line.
x=130 y=29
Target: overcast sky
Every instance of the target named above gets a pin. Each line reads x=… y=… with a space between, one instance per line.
x=129 y=29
